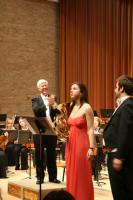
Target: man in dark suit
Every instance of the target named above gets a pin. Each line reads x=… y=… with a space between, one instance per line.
x=43 y=106
x=118 y=136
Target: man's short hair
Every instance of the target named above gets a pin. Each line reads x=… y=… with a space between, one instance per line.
x=41 y=81
x=126 y=82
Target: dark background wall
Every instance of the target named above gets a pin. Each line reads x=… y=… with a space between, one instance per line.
x=28 y=51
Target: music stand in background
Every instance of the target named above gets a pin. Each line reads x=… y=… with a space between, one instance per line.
x=12 y=135
x=106 y=112
x=25 y=137
x=98 y=143
x=49 y=130
x=45 y=122
x=95 y=113
x=32 y=126
x=3 y=120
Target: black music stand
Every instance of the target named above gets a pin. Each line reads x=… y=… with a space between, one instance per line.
x=106 y=112
x=12 y=135
x=98 y=143
x=95 y=113
x=24 y=137
x=32 y=126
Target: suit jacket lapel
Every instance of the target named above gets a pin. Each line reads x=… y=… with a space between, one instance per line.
x=50 y=107
x=121 y=105
x=41 y=100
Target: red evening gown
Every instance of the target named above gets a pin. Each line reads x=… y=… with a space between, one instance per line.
x=78 y=168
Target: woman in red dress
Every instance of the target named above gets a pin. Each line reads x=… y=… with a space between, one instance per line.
x=80 y=144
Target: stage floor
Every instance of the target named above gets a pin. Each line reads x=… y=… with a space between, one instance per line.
x=27 y=187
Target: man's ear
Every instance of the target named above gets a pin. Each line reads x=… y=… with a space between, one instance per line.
x=122 y=89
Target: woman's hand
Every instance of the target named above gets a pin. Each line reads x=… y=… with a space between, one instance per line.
x=90 y=154
x=6 y=134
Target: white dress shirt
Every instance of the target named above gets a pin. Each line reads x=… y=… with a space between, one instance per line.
x=120 y=101
x=45 y=100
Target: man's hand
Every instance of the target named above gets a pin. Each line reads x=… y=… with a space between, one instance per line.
x=117 y=164
x=51 y=101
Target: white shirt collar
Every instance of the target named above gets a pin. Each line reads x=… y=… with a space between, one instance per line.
x=44 y=97
x=122 y=99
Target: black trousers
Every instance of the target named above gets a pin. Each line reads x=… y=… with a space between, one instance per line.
x=63 y=147
x=122 y=181
x=49 y=142
x=10 y=154
x=97 y=163
x=20 y=150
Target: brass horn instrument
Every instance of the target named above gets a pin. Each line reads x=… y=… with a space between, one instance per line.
x=60 y=121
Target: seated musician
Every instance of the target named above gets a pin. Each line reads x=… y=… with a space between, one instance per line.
x=10 y=145
x=3 y=161
x=21 y=150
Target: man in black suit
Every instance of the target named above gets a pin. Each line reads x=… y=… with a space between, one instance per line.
x=43 y=106
x=118 y=136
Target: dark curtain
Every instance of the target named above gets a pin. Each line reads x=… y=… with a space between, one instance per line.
x=96 y=46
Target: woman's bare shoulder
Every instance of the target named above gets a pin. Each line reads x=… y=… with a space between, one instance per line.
x=87 y=106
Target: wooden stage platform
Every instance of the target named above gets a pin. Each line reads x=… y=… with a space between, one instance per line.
x=27 y=189
x=18 y=185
